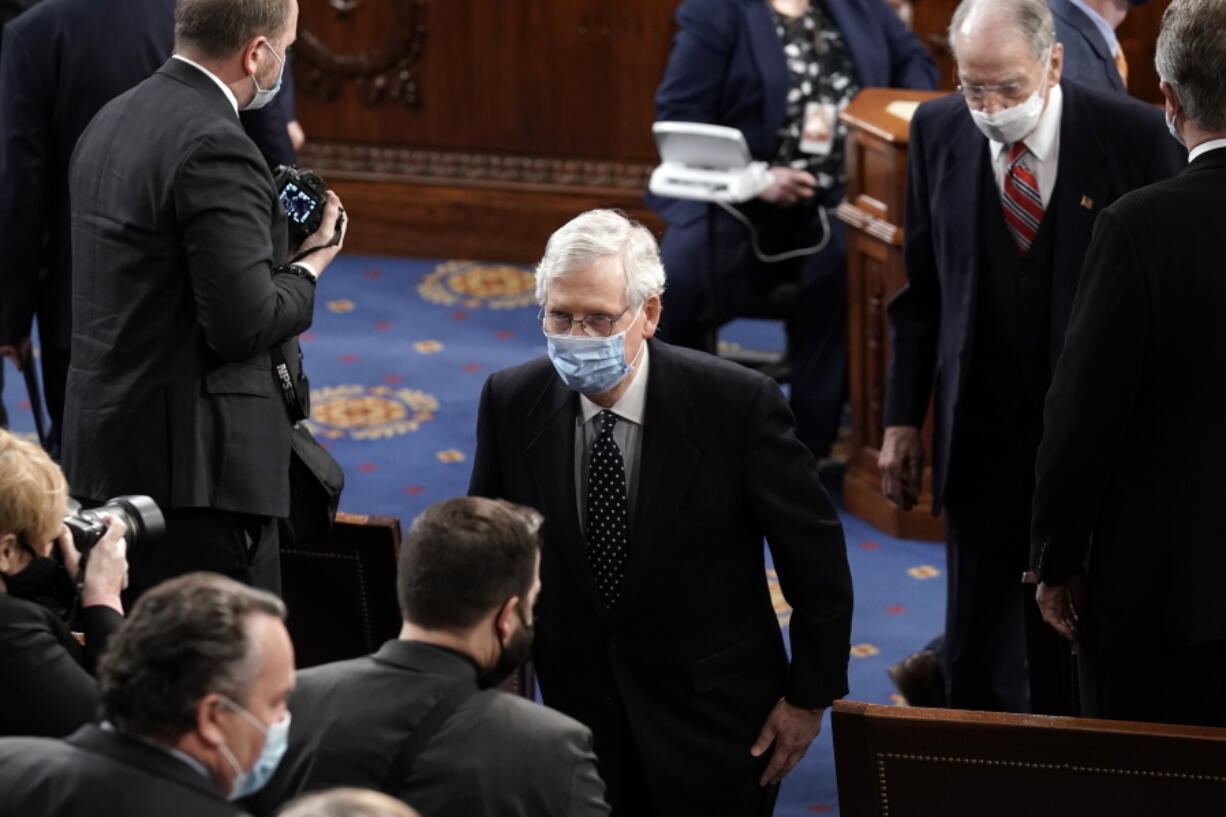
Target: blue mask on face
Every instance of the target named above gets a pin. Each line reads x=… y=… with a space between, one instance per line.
x=276 y=740
x=589 y=365
x=265 y=95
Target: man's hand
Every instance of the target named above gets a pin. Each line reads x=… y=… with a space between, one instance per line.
x=902 y=465
x=791 y=729
x=321 y=258
x=106 y=572
x=18 y=352
x=790 y=187
x=1061 y=605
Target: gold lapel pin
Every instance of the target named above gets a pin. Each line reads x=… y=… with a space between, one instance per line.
x=1087 y=202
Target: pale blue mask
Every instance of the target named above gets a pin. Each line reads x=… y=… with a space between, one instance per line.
x=265 y=95
x=276 y=740
x=590 y=365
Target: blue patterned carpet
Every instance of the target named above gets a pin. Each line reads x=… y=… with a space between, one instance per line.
x=397 y=357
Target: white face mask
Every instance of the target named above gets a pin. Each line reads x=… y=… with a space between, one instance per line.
x=1170 y=125
x=1015 y=124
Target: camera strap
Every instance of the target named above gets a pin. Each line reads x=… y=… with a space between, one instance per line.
x=289 y=392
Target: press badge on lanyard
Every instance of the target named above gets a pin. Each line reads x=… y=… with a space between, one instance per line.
x=817 y=135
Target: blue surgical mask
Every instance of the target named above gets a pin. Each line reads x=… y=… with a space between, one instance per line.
x=276 y=740
x=265 y=95
x=590 y=365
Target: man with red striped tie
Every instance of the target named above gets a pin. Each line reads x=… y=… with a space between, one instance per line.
x=1006 y=179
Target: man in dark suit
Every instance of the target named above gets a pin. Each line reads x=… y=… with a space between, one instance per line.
x=1005 y=183
x=659 y=470
x=420 y=718
x=182 y=300
x=1092 y=54
x=55 y=74
x=1128 y=527
x=760 y=66
x=193 y=707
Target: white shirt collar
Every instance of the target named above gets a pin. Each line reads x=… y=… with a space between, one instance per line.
x=1044 y=140
x=225 y=89
x=631 y=405
x=1104 y=28
x=1205 y=147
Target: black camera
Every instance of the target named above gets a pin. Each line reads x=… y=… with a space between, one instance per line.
x=140 y=513
x=303 y=195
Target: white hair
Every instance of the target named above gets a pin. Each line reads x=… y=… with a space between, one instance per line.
x=1029 y=18
x=1191 y=58
x=596 y=234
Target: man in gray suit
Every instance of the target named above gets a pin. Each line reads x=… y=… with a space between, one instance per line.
x=419 y=719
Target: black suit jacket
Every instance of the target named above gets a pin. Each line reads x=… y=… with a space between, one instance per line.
x=96 y=773
x=693 y=652
x=497 y=755
x=56 y=72
x=1130 y=479
x=46 y=685
x=1109 y=144
x=176 y=231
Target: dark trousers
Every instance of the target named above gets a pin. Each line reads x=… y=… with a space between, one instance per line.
x=1170 y=684
x=241 y=546
x=629 y=793
x=713 y=274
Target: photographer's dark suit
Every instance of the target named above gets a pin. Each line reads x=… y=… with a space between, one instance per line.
x=96 y=773
x=177 y=300
x=56 y=72
x=687 y=669
x=47 y=688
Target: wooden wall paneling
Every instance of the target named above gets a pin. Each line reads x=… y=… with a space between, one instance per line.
x=546 y=105
x=1138 y=36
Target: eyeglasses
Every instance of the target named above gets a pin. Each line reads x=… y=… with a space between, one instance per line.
x=560 y=323
x=1008 y=91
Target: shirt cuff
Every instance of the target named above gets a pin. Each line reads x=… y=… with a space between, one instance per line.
x=314 y=272
x=103 y=600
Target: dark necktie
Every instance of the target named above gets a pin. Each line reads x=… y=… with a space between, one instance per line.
x=607 y=512
x=1022 y=202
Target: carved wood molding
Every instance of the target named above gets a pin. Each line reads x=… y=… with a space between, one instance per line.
x=413 y=165
x=384 y=73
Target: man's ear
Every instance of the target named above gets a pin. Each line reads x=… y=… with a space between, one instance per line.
x=504 y=621
x=652 y=309
x=251 y=55
x=1057 y=62
x=1174 y=107
x=208 y=724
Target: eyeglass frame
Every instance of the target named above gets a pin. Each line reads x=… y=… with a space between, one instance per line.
x=976 y=93
x=542 y=316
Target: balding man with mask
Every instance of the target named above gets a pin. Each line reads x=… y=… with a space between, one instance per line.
x=1128 y=526
x=1005 y=182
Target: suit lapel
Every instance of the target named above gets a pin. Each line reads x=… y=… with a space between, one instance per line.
x=861 y=46
x=768 y=53
x=667 y=461
x=551 y=456
x=967 y=157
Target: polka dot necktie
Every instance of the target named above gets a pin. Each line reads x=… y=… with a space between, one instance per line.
x=607 y=512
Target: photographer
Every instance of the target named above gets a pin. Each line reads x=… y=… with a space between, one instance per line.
x=183 y=303
x=45 y=683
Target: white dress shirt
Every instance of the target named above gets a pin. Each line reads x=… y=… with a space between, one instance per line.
x=225 y=89
x=628 y=434
x=1044 y=146
x=1205 y=147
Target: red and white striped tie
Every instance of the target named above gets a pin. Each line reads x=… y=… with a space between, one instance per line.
x=1022 y=202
